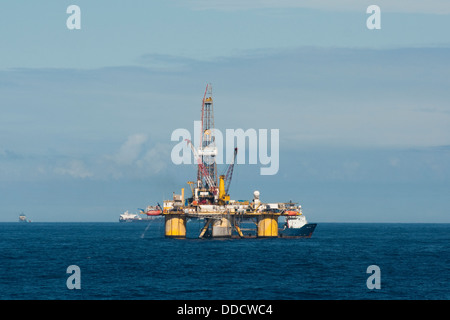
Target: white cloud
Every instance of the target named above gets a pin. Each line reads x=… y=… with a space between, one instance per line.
x=130 y=150
x=136 y=159
x=155 y=159
x=74 y=168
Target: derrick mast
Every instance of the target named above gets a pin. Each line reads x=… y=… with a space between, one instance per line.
x=207 y=149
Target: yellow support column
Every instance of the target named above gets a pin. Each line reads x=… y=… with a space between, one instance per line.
x=268 y=225
x=175 y=226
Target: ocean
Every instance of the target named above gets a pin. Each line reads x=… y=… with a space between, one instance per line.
x=128 y=261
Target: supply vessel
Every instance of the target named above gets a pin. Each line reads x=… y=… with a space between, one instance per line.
x=23 y=218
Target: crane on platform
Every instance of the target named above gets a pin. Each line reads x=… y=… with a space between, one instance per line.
x=229 y=173
x=225 y=181
x=202 y=169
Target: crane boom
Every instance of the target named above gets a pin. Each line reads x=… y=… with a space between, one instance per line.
x=202 y=168
x=229 y=174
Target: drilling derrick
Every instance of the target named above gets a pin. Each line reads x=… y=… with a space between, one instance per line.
x=208 y=149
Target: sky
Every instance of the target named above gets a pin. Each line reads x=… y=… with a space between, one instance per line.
x=86 y=116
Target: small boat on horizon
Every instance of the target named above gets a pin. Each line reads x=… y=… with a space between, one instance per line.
x=23 y=218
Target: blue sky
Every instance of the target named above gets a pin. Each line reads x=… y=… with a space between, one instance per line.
x=87 y=115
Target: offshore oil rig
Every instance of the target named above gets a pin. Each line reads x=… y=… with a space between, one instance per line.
x=210 y=201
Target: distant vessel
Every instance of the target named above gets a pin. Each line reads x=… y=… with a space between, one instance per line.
x=23 y=218
x=129 y=217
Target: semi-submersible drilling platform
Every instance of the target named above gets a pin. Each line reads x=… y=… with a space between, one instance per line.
x=211 y=203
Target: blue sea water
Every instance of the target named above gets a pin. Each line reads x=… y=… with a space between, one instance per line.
x=125 y=261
